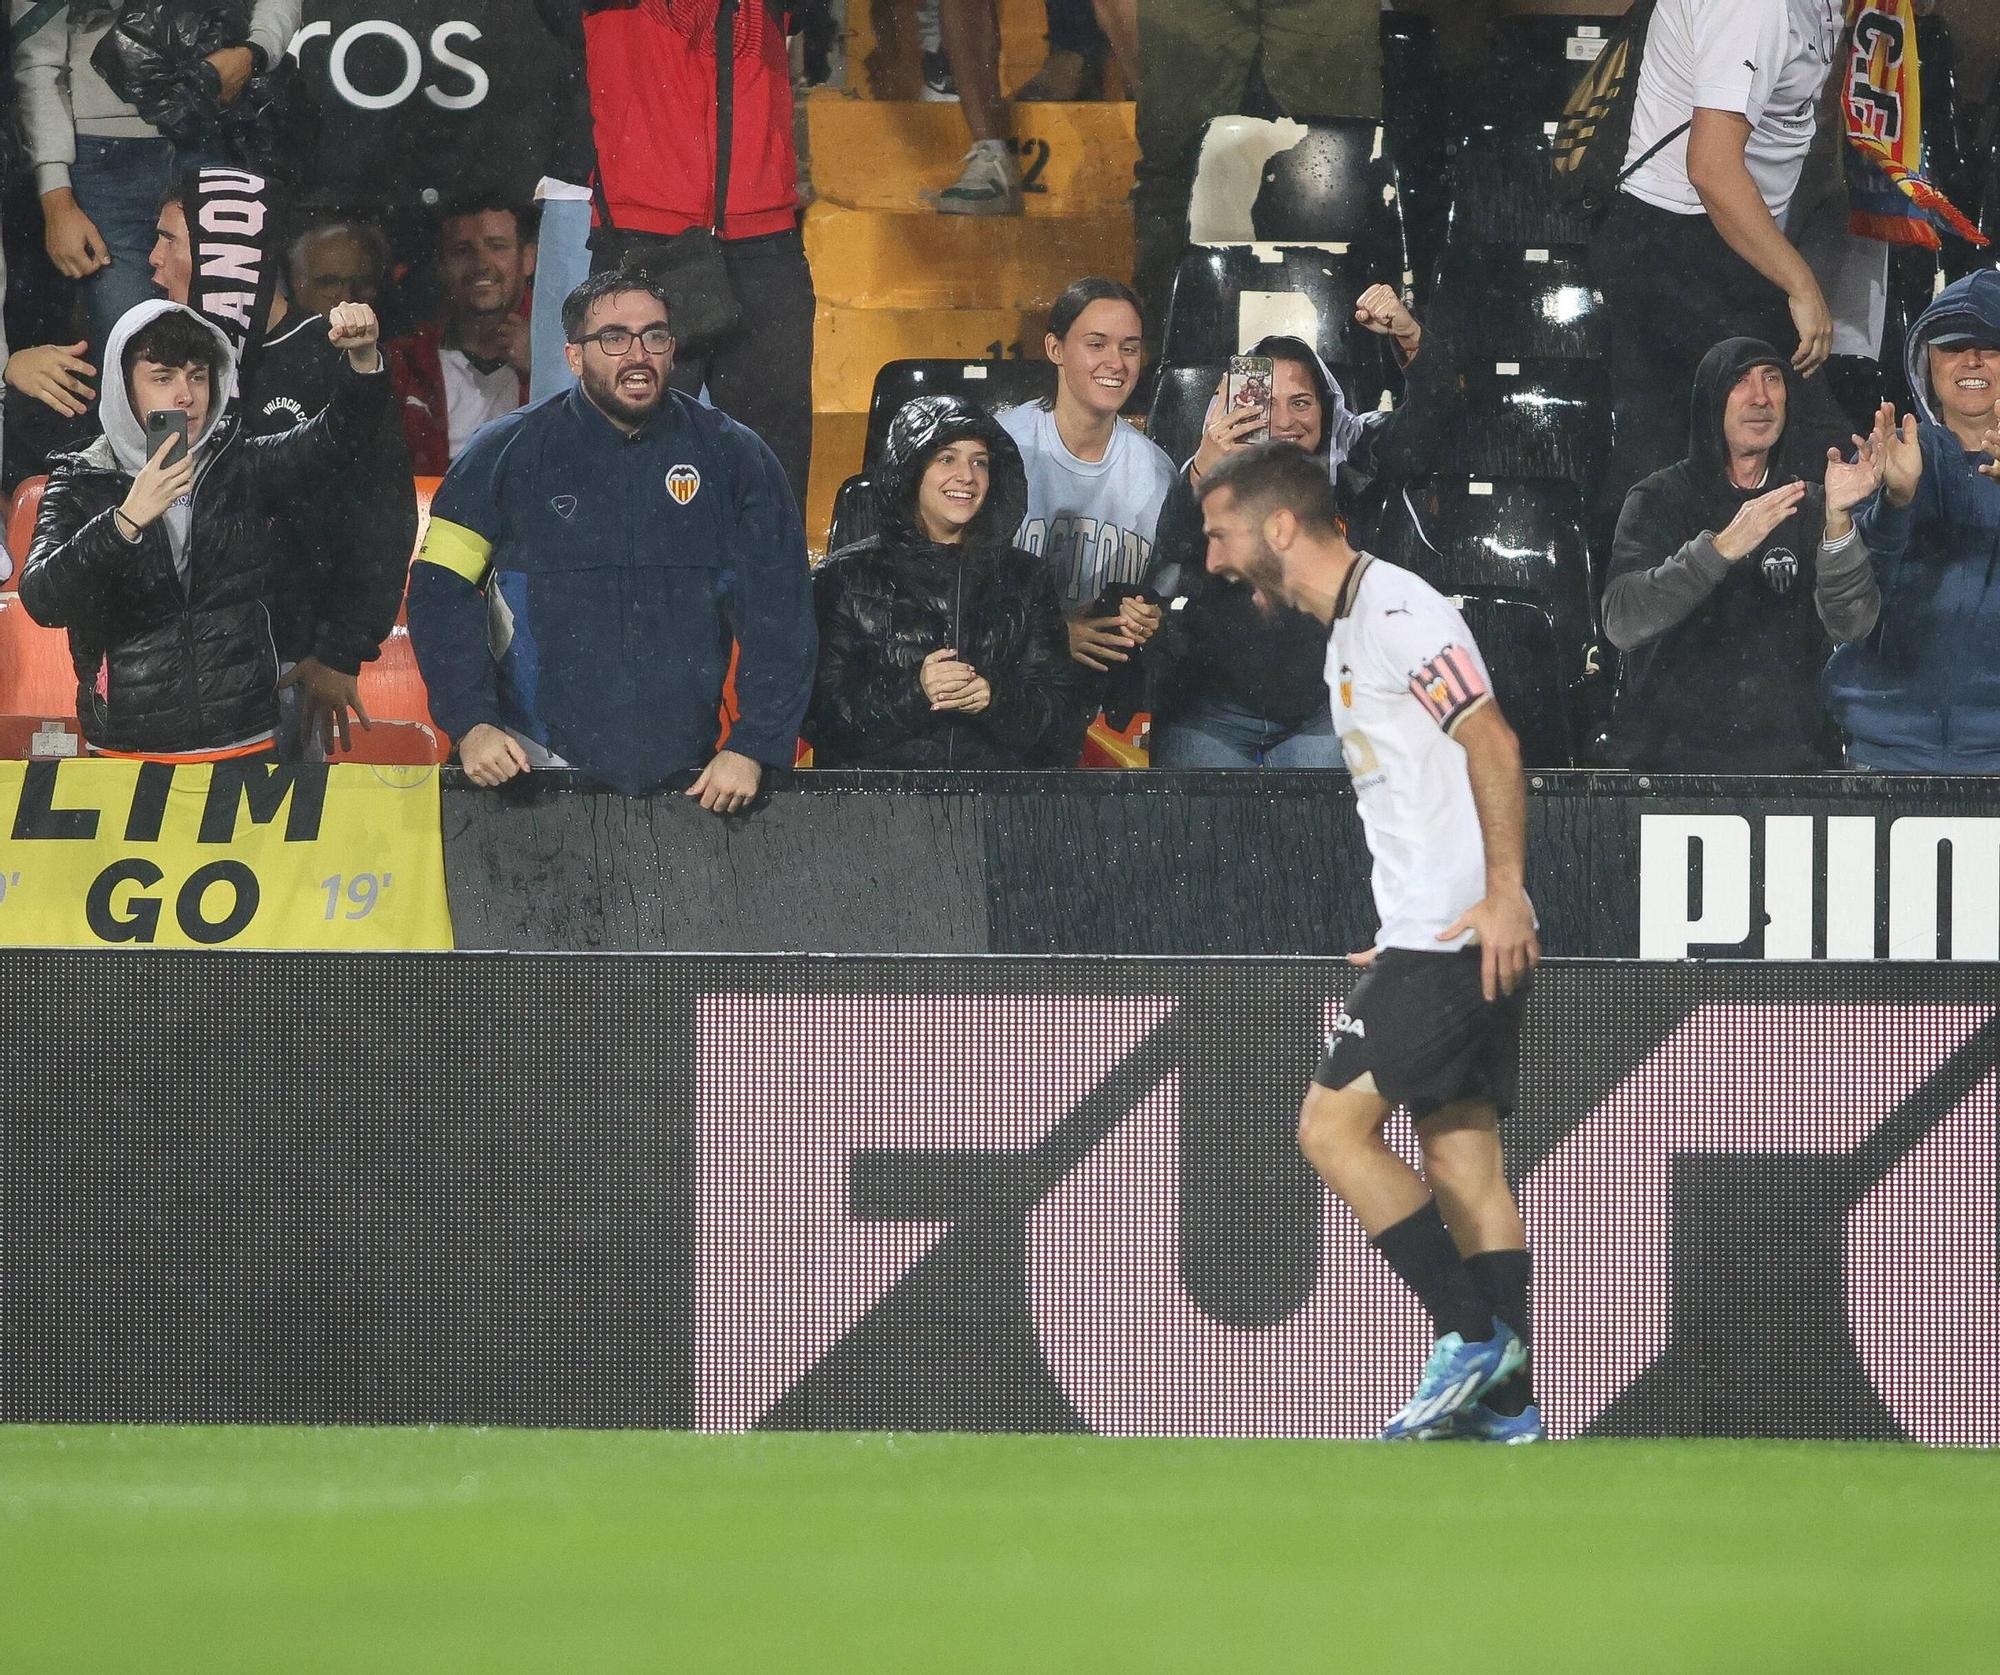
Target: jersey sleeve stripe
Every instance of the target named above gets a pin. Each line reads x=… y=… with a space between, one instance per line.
x=453 y=547
x=1448 y=686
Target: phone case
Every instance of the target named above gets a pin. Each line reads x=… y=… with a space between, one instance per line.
x=1249 y=385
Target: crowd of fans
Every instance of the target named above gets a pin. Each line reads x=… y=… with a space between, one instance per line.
x=614 y=381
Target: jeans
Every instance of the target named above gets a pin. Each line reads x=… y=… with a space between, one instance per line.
x=562 y=263
x=119 y=185
x=1214 y=735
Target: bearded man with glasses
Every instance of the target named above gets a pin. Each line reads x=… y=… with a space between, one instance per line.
x=590 y=562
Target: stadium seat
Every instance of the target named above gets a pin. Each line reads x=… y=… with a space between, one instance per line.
x=1325 y=181
x=36 y=677
x=1180 y=401
x=1537 y=62
x=1532 y=679
x=854 y=517
x=392 y=690
x=1549 y=421
x=993 y=385
x=21 y=514
x=1503 y=191
x=1498 y=302
x=1226 y=297
x=1516 y=540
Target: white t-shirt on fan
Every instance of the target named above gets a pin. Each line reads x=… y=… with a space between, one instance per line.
x=1403 y=672
x=1094 y=520
x=1765 y=60
x=474 y=398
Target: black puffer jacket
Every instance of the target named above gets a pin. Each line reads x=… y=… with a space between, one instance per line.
x=887 y=603
x=165 y=666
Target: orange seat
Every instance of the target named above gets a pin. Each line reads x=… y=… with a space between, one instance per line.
x=21 y=518
x=36 y=678
x=1108 y=747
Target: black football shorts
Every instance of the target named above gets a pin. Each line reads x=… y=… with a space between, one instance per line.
x=1422 y=1026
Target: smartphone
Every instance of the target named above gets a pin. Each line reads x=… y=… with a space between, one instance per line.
x=1249 y=385
x=169 y=421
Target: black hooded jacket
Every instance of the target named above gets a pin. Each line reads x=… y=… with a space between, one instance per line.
x=887 y=603
x=168 y=663
x=1722 y=660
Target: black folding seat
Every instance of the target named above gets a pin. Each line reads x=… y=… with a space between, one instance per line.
x=1546 y=420
x=1517 y=540
x=1503 y=190
x=1326 y=180
x=1225 y=297
x=854 y=514
x=1537 y=62
x=1533 y=681
x=1500 y=302
x=1180 y=400
x=993 y=385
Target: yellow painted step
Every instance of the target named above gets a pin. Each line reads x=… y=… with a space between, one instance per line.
x=851 y=345
x=868 y=258
x=874 y=154
x=837 y=443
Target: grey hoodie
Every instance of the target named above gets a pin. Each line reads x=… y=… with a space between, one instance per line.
x=124 y=440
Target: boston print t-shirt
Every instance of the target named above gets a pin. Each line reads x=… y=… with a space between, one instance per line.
x=1093 y=520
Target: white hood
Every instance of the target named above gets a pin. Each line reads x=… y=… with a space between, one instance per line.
x=123 y=428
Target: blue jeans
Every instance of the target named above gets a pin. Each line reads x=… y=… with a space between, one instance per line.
x=1214 y=735
x=562 y=262
x=119 y=185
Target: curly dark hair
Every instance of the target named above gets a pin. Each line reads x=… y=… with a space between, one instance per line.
x=611 y=283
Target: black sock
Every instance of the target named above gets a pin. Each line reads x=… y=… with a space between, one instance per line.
x=1502 y=1278
x=1419 y=1248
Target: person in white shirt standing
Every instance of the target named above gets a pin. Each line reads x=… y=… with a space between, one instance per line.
x=1694 y=249
x=1435 y=1023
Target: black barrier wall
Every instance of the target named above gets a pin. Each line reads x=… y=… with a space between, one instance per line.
x=979 y=1194
x=1620 y=866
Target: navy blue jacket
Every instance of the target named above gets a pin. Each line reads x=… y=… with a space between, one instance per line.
x=582 y=587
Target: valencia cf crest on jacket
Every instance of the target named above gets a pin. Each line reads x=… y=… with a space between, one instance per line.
x=1781 y=569
x=683 y=483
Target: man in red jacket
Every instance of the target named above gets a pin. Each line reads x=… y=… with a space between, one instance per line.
x=654 y=85
x=471 y=367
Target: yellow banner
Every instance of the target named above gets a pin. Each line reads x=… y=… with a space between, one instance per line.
x=229 y=855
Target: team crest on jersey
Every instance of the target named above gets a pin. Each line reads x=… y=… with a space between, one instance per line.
x=683 y=483
x=1346 y=687
x=1781 y=569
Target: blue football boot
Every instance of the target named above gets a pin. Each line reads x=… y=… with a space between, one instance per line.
x=1456 y=1376
x=1479 y=1423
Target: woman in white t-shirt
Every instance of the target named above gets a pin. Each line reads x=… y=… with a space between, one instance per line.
x=1095 y=486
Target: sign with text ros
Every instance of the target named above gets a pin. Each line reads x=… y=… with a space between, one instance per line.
x=220 y=855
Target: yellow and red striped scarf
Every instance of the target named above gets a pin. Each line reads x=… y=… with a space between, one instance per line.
x=1889 y=197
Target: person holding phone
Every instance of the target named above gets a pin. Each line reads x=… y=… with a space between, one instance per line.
x=1234 y=687
x=152 y=547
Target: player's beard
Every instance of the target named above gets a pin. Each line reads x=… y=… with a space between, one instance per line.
x=1266 y=574
x=602 y=389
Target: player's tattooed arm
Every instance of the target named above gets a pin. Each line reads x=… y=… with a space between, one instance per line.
x=1503 y=921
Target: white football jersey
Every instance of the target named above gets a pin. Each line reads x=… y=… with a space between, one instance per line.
x=1404 y=672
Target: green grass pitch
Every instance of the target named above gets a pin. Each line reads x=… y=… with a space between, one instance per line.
x=295 y=1552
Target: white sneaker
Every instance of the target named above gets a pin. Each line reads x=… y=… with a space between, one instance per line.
x=989 y=184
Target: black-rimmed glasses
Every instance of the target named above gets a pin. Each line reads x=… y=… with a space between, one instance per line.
x=616 y=340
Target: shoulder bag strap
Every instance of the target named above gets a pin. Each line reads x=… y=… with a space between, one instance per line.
x=725 y=105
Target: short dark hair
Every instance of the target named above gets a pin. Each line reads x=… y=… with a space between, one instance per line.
x=1079 y=294
x=1275 y=476
x=175 y=338
x=526 y=225
x=610 y=283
